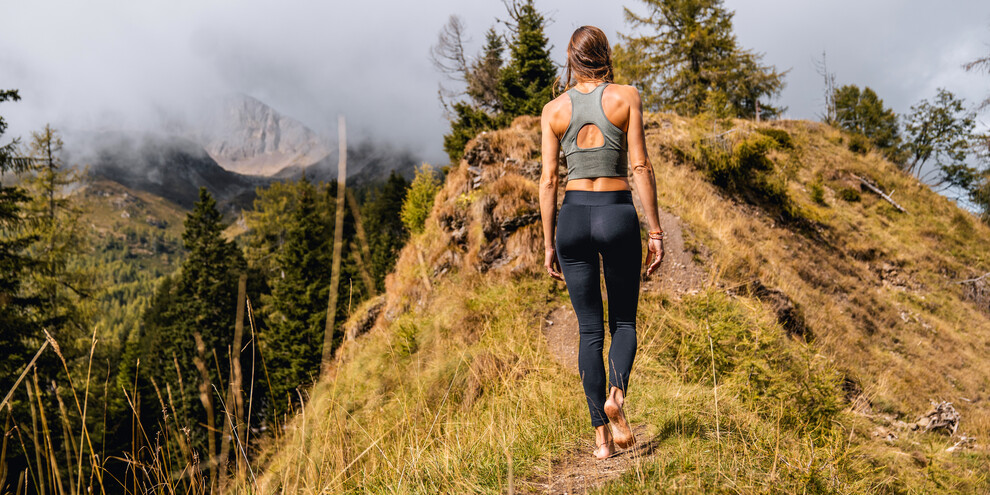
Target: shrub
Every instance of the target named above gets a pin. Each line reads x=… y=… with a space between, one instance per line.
x=782 y=137
x=419 y=199
x=744 y=169
x=849 y=194
x=859 y=144
x=817 y=192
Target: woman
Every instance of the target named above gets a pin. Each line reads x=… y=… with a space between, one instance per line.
x=596 y=123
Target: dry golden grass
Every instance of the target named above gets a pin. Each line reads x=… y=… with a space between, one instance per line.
x=454 y=390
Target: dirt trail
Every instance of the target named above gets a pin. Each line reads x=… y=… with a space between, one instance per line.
x=577 y=470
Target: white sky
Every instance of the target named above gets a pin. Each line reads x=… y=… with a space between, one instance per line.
x=115 y=64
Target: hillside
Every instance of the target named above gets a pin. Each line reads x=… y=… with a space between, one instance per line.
x=168 y=166
x=798 y=328
x=137 y=239
x=366 y=163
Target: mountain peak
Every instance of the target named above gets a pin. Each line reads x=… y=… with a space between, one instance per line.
x=247 y=136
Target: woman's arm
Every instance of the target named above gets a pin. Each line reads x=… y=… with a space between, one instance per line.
x=548 y=191
x=646 y=184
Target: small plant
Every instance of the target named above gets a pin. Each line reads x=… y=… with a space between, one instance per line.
x=859 y=144
x=782 y=137
x=406 y=343
x=849 y=194
x=419 y=199
x=817 y=192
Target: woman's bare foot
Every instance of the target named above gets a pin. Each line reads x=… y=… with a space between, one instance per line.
x=621 y=433
x=604 y=447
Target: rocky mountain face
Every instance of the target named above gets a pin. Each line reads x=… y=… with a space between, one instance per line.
x=246 y=136
x=244 y=144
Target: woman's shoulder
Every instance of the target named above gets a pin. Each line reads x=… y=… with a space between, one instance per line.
x=624 y=91
x=557 y=104
x=557 y=113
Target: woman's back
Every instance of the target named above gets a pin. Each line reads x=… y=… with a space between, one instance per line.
x=602 y=152
x=592 y=123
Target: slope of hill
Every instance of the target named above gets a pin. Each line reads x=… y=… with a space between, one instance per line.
x=168 y=166
x=812 y=324
x=249 y=137
x=366 y=162
x=136 y=240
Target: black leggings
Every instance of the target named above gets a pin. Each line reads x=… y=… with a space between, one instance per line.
x=591 y=223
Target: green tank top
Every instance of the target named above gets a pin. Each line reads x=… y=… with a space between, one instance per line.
x=607 y=160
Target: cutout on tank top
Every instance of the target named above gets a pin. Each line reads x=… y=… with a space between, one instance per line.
x=590 y=136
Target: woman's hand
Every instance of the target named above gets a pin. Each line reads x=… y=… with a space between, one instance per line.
x=551 y=264
x=655 y=252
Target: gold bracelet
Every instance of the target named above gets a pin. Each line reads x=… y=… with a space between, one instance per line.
x=657 y=234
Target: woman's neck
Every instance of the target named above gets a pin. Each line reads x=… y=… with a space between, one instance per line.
x=587 y=84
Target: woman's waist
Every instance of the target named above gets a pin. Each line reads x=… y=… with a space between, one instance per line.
x=598 y=184
x=597 y=198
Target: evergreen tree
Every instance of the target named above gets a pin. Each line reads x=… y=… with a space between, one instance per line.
x=691 y=54
x=468 y=122
x=54 y=218
x=496 y=92
x=295 y=311
x=526 y=82
x=15 y=307
x=484 y=75
x=386 y=234
x=863 y=112
x=197 y=306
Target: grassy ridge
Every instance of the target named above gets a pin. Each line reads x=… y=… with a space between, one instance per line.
x=454 y=389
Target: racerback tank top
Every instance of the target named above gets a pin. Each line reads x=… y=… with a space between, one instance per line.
x=607 y=160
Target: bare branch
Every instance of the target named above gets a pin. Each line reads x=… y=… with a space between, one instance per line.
x=448 y=53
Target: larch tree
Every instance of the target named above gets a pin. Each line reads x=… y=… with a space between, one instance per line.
x=54 y=219
x=980 y=188
x=689 y=60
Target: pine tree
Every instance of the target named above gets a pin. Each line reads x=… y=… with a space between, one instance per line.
x=15 y=307
x=863 y=112
x=496 y=92
x=691 y=54
x=484 y=74
x=526 y=82
x=199 y=305
x=386 y=234
x=295 y=311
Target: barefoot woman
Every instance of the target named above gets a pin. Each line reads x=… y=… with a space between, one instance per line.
x=596 y=124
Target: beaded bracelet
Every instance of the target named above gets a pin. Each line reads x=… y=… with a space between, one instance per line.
x=657 y=234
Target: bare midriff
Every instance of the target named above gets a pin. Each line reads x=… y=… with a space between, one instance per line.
x=598 y=184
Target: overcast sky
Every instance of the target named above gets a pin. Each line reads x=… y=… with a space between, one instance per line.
x=115 y=64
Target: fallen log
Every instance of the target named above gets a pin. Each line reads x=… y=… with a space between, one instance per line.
x=883 y=195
